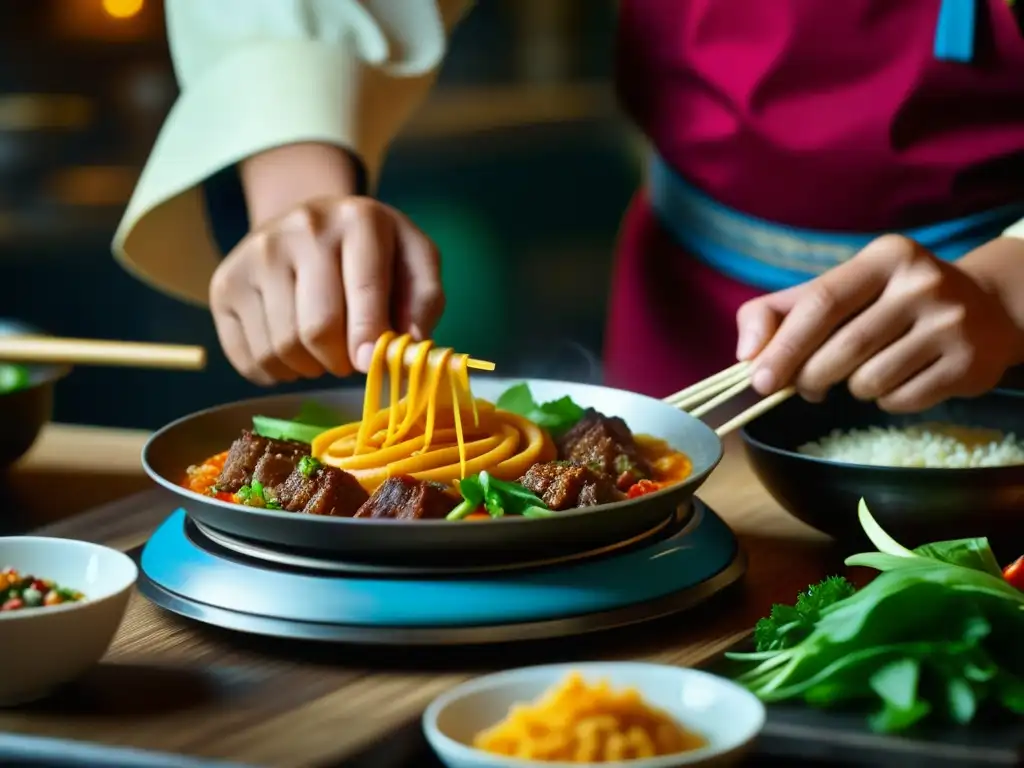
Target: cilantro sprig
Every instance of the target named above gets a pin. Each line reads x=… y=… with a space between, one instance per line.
x=787 y=625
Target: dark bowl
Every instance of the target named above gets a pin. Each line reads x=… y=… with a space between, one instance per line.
x=24 y=412
x=914 y=505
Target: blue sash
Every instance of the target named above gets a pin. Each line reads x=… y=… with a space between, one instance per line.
x=771 y=256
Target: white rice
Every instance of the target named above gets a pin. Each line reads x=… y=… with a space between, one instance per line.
x=914 y=447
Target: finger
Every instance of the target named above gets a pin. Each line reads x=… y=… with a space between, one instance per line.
x=894 y=366
x=823 y=306
x=236 y=347
x=756 y=322
x=367 y=257
x=419 y=290
x=851 y=346
x=255 y=327
x=320 y=303
x=277 y=292
x=930 y=387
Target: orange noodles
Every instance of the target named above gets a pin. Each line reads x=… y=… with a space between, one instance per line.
x=426 y=422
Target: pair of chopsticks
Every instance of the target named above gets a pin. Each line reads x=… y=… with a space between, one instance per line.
x=123 y=354
x=704 y=396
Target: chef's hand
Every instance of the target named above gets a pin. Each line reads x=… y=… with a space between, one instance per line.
x=904 y=328
x=309 y=292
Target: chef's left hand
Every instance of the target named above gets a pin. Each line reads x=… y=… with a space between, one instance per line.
x=904 y=329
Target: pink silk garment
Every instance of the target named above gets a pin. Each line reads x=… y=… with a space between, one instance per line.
x=831 y=116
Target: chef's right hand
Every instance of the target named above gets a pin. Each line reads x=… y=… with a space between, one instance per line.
x=309 y=292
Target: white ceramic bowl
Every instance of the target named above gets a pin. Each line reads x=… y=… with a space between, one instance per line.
x=724 y=713
x=40 y=648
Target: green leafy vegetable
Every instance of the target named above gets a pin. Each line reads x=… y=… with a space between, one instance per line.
x=557 y=416
x=254 y=495
x=312 y=419
x=789 y=624
x=281 y=429
x=317 y=415
x=498 y=497
x=13 y=377
x=935 y=634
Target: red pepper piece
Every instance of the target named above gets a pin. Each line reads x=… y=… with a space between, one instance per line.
x=642 y=488
x=1014 y=573
x=12 y=605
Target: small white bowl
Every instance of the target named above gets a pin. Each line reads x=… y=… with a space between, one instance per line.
x=41 y=648
x=727 y=715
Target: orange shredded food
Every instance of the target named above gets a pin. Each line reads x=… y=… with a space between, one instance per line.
x=578 y=722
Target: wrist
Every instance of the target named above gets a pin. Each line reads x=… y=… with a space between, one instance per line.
x=280 y=179
x=998 y=268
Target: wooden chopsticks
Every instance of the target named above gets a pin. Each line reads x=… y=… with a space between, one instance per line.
x=708 y=394
x=125 y=354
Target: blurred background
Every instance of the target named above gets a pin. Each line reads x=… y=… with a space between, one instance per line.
x=519 y=167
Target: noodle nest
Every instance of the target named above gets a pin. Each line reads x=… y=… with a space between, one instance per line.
x=428 y=424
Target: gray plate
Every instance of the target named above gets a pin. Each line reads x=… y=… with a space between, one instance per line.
x=434 y=542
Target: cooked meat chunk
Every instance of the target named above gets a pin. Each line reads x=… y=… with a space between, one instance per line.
x=605 y=445
x=273 y=469
x=566 y=484
x=406 y=498
x=245 y=454
x=320 y=490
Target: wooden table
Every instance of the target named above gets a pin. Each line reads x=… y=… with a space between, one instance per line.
x=177 y=687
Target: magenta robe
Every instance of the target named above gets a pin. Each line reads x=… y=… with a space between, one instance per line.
x=823 y=115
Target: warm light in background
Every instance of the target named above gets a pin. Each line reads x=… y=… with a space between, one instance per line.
x=122 y=9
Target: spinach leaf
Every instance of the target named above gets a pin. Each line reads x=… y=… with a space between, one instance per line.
x=967 y=553
x=556 y=416
x=312 y=419
x=318 y=415
x=936 y=633
x=498 y=497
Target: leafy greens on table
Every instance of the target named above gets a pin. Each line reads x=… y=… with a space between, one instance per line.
x=937 y=634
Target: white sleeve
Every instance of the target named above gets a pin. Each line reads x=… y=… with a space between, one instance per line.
x=1015 y=230
x=258 y=74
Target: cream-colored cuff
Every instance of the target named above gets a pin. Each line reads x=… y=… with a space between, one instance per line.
x=1015 y=230
x=256 y=98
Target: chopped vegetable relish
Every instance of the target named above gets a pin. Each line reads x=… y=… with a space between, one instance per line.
x=19 y=591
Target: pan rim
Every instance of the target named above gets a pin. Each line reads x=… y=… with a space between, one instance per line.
x=695 y=479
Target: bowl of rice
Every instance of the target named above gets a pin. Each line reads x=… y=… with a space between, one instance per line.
x=955 y=471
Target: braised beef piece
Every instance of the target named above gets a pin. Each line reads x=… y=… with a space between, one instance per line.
x=565 y=485
x=605 y=444
x=406 y=498
x=245 y=454
x=273 y=469
x=319 y=490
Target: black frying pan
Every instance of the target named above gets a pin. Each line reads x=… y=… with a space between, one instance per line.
x=191 y=439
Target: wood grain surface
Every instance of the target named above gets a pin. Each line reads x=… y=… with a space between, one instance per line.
x=175 y=686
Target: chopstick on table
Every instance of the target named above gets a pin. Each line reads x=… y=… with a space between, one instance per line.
x=124 y=354
x=708 y=394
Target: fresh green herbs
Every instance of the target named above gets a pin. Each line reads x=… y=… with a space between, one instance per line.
x=254 y=495
x=498 y=498
x=13 y=377
x=308 y=465
x=311 y=420
x=935 y=634
x=556 y=416
x=787 y=625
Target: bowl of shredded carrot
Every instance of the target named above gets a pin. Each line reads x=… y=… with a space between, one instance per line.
x=556 y=716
